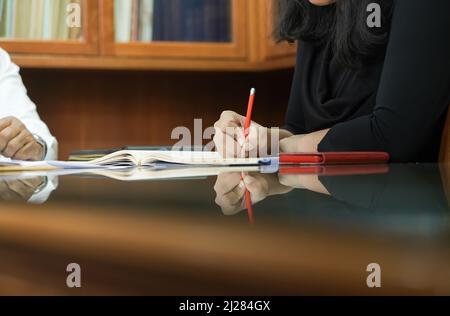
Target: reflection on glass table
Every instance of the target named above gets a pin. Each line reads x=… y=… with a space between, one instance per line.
x=316 y=231
x=404 y=197
x=29 y=189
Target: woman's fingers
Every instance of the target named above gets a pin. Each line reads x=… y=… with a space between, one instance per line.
x=228 y=121
x=226 y=145
x=232 y=141
x=257 y=138
x=256 y=142
x=226 y=132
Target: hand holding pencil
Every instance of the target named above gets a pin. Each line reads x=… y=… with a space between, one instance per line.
x=239 y=136
x=236 y=136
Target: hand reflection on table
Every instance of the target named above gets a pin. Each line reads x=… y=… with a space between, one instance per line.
x=20 y=189
x=230 y=189
x=29 y=189
x=400 y=190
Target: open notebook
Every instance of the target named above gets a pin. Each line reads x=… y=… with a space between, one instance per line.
x=138 y=158
x=141 y=158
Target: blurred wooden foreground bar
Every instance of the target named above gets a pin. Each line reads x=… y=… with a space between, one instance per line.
x=180 y=255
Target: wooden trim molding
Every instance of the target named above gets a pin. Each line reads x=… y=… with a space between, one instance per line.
x=48 y=61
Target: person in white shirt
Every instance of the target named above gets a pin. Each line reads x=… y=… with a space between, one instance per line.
x=23 y=135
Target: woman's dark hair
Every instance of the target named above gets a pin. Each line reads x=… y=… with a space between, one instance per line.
x=343 y=22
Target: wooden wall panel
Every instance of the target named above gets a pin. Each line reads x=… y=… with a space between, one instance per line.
x=98 y=109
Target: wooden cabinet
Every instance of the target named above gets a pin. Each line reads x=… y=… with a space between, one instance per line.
x=250 y=46
x=34 y=49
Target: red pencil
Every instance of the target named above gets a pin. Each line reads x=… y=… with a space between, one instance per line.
x=248 y=118
x=248 y=121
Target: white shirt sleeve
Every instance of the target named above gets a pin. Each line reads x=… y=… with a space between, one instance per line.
x=14 y=101
x=43 y=195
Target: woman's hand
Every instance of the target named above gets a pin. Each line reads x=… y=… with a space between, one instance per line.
x=230 y=138
x=227 y=133
x=17 y=142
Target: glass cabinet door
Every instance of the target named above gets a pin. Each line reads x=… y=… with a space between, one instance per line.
x=172 y=21
x=180 y=28
x=48 y=26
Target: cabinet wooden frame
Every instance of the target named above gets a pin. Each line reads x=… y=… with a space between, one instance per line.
x=88 y=45
x=236 y=49
x=264 y=52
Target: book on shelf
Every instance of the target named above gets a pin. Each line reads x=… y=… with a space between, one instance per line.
x=61 y=27
x=47 y=20
x=123 y=15
x=145 y=26
x=22 y=18
x=159 y=22
x=192 y=20
x=36 y=23
x=3 y=17
x=172 y=20
x=134 y=20
x=11 y=10
x=75 y=32
x=36 y=20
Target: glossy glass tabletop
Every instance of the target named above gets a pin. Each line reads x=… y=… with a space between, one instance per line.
x=315 y=231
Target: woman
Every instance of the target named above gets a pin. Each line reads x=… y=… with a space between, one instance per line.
x=358 y=87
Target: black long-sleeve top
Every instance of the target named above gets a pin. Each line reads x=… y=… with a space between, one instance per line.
x=398 y=104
